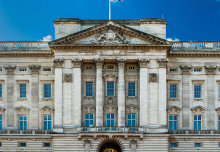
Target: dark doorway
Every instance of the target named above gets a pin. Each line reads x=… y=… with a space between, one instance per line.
x=110 y=147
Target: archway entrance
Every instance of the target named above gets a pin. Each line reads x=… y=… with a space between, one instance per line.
x=110 y=147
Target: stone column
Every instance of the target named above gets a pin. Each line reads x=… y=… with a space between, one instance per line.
x=34 y=113
x=186 y=70
x=121 y=93
x=58 y=96
x=211 y=81
x=77 y=92
x=143 y=92
x=99 y=93
x=10 y=96
x=162 y=93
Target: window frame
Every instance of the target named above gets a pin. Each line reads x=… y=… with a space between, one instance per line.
x=197 y=69
x=194 y=90
x=47 y=122
x=197 y=122
x=176 y=91
x=110 y=88
x=44 y=95
x=1 y=90
x=89 y=120
x=1 y=122
x=23 y=91
x=173 y=122
x=110 y=120
x=23 y=126
x=91 y=91
x=132 y=119
x=134 y=89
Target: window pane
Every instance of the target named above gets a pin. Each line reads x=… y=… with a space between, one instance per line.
x=173 y=91
x=22 y=90
x=197 y=91
x=47 y=91
x=129 y=123
x=110 y=89
x=131 y=89
x=89 y=89
x=0 y=91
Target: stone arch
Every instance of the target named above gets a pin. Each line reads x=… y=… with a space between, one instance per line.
x=113 y=143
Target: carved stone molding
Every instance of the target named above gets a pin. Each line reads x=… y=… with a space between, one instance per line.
x=133 y=145
x=2 y=109
x=143 y=63
x=131 y=108
x=68 y=77
x=199 y=109
x=162 y=63
x=210 y=69
x=87 y=145
x=121 y=63
x=10 y=69
x=58 y=63
x=99 y=62
x=153 y=77
x=22 y=109
x=173 y=109
x=89 y=109
x=35 y=68
x=110 y=37
x=186 y=69
x=77 y=63
x=110 y=108
x=47 y=109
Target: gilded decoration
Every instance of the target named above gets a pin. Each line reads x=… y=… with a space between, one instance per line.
x=58 y=63
x=143 y=63
x=68 y=77
x=210 y=69
x=153 y=77
x=110 y=37
x=10 y=69
x=35 y=68
x=186 y=69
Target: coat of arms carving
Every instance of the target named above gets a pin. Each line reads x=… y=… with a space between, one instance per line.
x=110 y=37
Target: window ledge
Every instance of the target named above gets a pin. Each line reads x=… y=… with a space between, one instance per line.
x=198 y=99
x=22 y=99
x=173 y=99
x=47 y=99
x=131 y=97
x=89 y=97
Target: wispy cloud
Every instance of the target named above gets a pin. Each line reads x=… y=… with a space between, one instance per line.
x=173 y=39
x=47 y=38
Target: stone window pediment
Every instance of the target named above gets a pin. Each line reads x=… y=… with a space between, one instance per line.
x=198 y=109
x=132 y=108
x=110 y=108
x=22 y=109
x=89 y=109
x=47 y=109
x=173 y=109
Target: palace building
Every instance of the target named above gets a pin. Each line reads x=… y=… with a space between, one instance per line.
x=110 y=86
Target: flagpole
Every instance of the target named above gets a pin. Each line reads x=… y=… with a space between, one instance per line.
x=109 y=10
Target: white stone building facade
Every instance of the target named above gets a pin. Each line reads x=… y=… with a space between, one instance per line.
x=110 y=86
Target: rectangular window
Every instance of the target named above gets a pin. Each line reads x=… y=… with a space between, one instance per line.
x=89 y=89
x=197 y=91
x=110 y=89
x=197 y=69
x=173 y=122
x=23 y=91
x=22 y=69
x=47 y=91
x=1 y=124
x=198 y=145
x=110 y=120
x=0 y=90
x=88 y=120
x=47 y=122
x=46 y=69
x=131 y=120
x=219 y=122
x=110 y=67
x=173 y=70
x=172 y=145
x=131 y=89
x=219 y=91
x=23 y=122
x=173 y=91
x=46 y=145
x=197 y=122
x=22 y=144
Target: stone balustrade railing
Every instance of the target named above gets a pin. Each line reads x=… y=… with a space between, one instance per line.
x=111 y=129
x=25 y=132
x=186 y=132
x=195 y=45
x=24 y=45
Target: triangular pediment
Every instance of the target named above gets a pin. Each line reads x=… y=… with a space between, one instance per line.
x=109 y=33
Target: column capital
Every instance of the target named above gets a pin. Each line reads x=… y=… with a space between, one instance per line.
x=162 y=63
x=143 y=63
x=210 y=69
x=121 y=62
x=35 y=68
x=58 y=63
x=186 y=69
x=10 y=69
x=77 y=63
x=99 y=62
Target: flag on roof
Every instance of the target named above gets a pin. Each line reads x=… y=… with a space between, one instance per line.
x=116 y=0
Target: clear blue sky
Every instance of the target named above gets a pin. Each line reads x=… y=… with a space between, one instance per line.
x=31 y=20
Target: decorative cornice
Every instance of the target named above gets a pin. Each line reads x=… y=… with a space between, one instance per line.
x=121 y=63
x=58 y=63
x=131 y=108
x=22 y=109
x=88 y=109
x=47 y=108
x=198 y=109
x=35 y=68
x=210 y=69
x=99 y=62
x=67 y=77
x=173 y=109
x=10 y=69
x=77 y=63
x=162 y=63
x=186 y=69
x=26 y=54
x=143 y=63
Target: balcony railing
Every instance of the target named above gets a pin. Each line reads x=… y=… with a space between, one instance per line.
x=112 y=129
x=196 y=45
x=25 y=132
x=194 y=132
x=24 y=45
